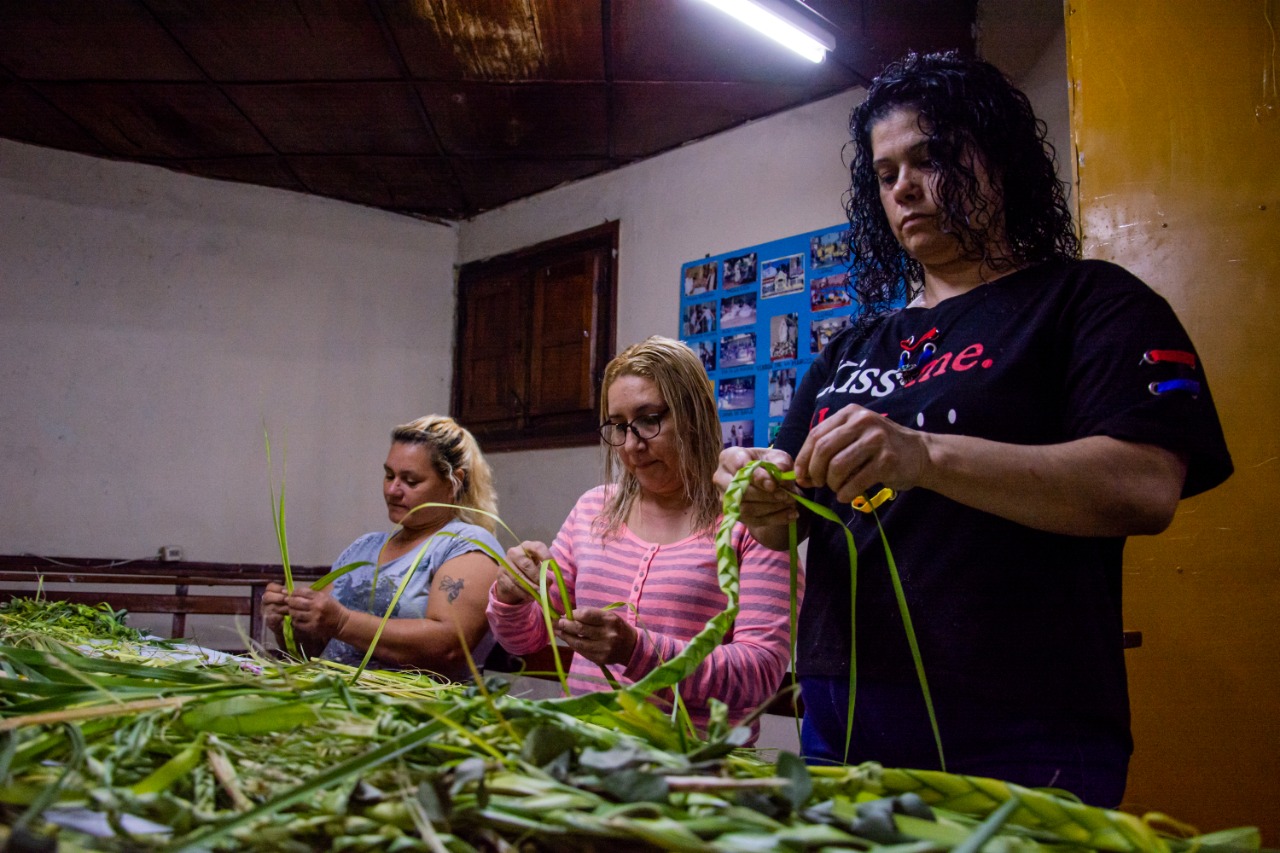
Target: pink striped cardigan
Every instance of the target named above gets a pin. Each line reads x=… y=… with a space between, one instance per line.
x=674 y=590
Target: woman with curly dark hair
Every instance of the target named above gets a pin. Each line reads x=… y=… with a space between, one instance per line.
x=1019 y=218
x=1028 y=410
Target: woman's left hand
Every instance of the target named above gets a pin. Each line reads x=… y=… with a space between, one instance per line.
x=600 y=636
x=316 y=612
x=856 y=448
x=275 y=607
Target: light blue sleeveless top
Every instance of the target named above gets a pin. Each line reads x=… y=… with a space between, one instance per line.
x=356 y=590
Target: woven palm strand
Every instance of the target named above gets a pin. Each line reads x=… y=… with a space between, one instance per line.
x=1040 y=812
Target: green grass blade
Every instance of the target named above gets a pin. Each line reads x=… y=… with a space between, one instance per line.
x=249 y=714
x=404 y=581
x=499 y=521
x=793 y=555
x=323 y=581
x=548 y=617
x=827 y=514
x=391 y=608
x=497 y=558
x=172 y=770
x=911 y=640
x=561 y=588
x=277 y=514
x=823 y=512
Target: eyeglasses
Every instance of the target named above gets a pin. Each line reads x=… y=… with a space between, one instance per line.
x=644 y=426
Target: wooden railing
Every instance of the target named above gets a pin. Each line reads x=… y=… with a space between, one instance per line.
x=169 y=585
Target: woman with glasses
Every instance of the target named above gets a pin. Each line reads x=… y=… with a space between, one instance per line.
x=645 y=540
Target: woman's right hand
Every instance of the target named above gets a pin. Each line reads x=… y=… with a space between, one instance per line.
x=316 y=613
x=527 y=559
x=766 y=502
x=275 y=608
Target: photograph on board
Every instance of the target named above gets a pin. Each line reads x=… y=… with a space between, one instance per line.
x=782 y=276
x=737 y=392
x=737 y=433
x=782 y=386
x=830 y=291
x=706 y=351
x=822 y=331
x=737 y=350
x=738 y=310
x=700 y=278
x=784 y=333
x=699 y=319
x=740 y=271
x=829 y=248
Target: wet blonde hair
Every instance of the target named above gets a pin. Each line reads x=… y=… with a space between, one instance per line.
x=453 y=449
x=694 y=423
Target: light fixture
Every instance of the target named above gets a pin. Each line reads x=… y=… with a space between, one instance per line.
x=781 y=24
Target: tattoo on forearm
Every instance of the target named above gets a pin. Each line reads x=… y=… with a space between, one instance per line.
x=451 y=587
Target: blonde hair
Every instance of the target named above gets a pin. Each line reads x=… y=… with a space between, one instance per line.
x=452 y=449
x=695 y=426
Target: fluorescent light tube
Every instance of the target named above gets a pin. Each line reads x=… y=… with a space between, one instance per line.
x=804 y=38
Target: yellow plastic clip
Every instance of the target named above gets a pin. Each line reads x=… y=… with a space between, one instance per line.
x=861 y=504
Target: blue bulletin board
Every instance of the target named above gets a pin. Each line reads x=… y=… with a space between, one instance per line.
x=757 y=317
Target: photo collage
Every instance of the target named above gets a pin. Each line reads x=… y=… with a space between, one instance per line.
x=757 y=317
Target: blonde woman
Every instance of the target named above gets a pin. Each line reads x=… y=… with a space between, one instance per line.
x=646 y=539
x=431 y=460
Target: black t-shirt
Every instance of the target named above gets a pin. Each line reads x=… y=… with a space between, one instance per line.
x=1019 y=630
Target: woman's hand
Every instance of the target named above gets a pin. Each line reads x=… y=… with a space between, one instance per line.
x=311 y=629
x=274 y=609
x=1091 y=486
x=526 y=558
x=316 y=613
x=768 y=506
x=600 y=636
x=855 y=449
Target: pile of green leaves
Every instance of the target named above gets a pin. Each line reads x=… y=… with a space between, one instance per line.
x=104 y=753
x=108 y=751
x=29 y=620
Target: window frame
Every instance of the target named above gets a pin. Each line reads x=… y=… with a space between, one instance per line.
x=524 y=429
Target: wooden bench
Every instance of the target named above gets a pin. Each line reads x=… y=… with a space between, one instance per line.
x=171 y=583
x=104 y=581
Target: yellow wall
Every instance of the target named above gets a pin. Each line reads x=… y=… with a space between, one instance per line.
x=1177 y=135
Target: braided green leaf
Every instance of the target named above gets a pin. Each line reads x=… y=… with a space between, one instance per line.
x=1040 y=812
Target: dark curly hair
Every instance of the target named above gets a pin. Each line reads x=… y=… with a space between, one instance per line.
x=969 y=110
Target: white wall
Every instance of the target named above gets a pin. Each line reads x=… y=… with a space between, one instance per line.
x=150 y=323
x=776 y=177
x=773 y=178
